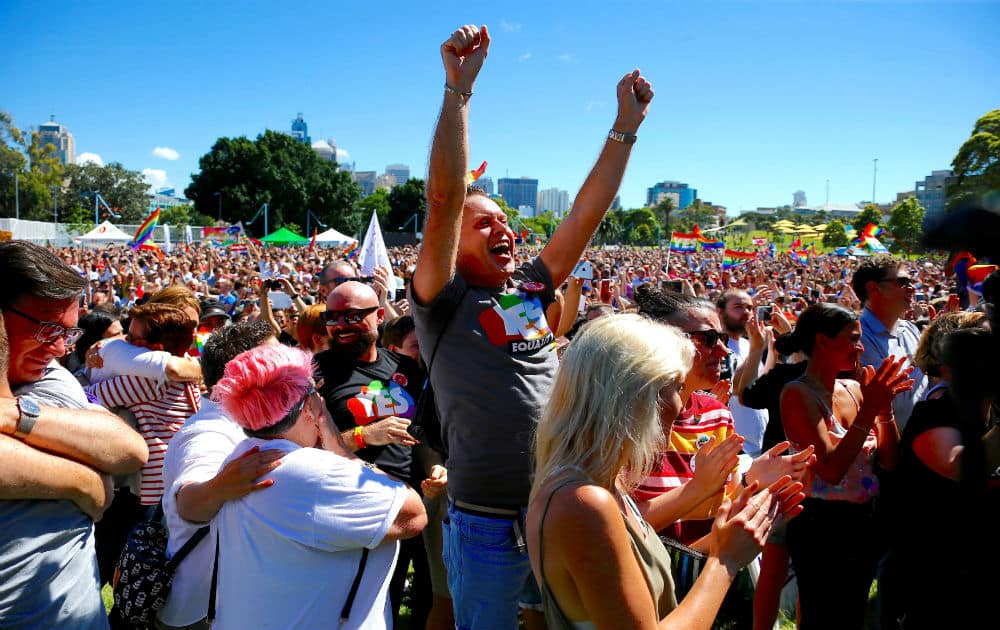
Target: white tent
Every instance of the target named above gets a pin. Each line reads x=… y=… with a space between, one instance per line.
x=333 y=237
x=105 y=233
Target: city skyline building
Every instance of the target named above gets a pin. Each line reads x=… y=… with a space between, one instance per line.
x=799 y=199
x=931 y=193
x=519 y=191
x=300 y=130
x=681 y=194
x=486 y=183
x=367 y=181
x=400 y=172
x=554 y=200
x=58 y=135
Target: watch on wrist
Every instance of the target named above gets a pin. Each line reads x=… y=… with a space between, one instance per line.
x=28 y=412
x=622 y=136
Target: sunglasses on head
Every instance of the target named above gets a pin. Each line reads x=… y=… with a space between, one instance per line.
x=339 y=280
x=350 y=316
x=709 y=337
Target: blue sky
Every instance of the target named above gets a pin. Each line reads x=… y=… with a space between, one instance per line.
x=754 y=99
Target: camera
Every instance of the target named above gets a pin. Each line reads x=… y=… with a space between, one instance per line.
x=272 y=285
x=673 y=285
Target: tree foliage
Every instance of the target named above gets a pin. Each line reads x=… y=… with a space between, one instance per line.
x=278 y=170
x=977 y=163
x=636 y=218
x=907 y=226
x=405 y=201
x=123 y=190
x=610 y=228
x=870 y=214
x=377 y=202
x=545 y=223
x=835 y=235
x=662 y=211
x=695 y=214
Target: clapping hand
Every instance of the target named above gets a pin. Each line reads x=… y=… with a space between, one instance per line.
x=879 y=387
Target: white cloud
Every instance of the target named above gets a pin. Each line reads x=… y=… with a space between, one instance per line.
x=509 y=27
x=343 y=157
x=89 y=158
x=166 y=153
x=156 y=178
x=565 y=58
x=523 y=57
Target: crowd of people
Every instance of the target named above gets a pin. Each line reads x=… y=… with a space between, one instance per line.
x=547 y=435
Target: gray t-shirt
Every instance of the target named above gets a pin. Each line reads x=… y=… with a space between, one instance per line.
x=492 y=375
x=48 y=566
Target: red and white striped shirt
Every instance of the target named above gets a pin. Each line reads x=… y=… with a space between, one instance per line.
x=160 y=409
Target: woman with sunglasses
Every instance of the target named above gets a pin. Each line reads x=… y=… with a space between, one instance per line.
x=835 y=544
x=597 y=562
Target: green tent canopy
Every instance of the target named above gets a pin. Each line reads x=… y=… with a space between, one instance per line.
x=284 y=236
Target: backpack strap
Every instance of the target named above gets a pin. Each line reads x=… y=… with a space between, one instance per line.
x=345 y=612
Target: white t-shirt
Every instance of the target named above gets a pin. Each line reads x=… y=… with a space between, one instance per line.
x=117 y=357
x=195 y=454
x=750 y=423
x=289 y=553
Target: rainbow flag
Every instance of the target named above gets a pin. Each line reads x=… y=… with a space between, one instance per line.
x=797 y=243
x=352 y=251
x=683 y=243
x=200 y=338
x=710 y=244
x=872 y=231
x=801 y=256
x=145 y=230
x=472 y=176
x=732 y=258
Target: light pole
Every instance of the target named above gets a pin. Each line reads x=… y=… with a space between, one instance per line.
x=55 y=208
x=874 y=176
x=17 y=197
x=219 y=195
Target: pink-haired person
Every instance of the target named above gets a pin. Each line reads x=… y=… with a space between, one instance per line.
x=288 y=554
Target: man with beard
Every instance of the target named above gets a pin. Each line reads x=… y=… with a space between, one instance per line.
x=735 y=310
x=371 y=393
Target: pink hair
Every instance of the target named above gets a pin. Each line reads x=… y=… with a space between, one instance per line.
x=261 y=385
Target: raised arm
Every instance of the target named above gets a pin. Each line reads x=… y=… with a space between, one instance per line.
x=598 y=190
x=463 y=55
x=93 y=437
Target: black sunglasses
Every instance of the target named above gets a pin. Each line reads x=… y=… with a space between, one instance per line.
x=351 y=316
x=339 y=280
x=50 y=332
x=709 y=337
x=901 y=282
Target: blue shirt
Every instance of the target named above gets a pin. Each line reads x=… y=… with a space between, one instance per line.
x=881 y=342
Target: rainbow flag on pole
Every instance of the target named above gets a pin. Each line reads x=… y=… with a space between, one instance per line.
x=732 y=258
x=710 y=244
x=683 y=243
x=146 y=229
x=352 y=251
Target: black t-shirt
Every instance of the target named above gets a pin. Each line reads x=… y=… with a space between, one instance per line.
x=363 y=393
x=765 y=393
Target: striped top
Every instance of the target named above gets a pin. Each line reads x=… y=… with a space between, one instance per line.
x=704 y=417
x=160 y=409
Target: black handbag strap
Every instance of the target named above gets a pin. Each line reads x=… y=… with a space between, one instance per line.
x=447 y=323
x=215 y=584
x=345 y=612
x=187 y=548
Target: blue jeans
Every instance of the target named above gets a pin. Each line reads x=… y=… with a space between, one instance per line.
x=489 y=577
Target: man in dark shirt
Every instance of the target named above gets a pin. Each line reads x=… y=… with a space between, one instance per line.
x=371 y=394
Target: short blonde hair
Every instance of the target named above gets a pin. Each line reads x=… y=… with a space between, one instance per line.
x=604 y=411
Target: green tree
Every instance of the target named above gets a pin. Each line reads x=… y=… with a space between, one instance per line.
x=907 y=226
x=977 y=163
x=12 y=162
x=834 y=234
x=545 y=223
x=278 y=170
x=180 y=216
x=377 y=202
x=696 y=213
x=870 y=214
x=40 y=186
x=405 y=201
x=610 y=229
x=642 y=235
x=662 y=211
x=640 y=217
x=123 y=190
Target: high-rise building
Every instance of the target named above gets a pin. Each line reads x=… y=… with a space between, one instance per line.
x=400 y=173
x=682 y=195
x=324 y=150
x=517 y=192
x=486 y=183
x=931 y=193
x=300 y=130
x=367 y=180
x=553 y=200
x=799 y=199
x=58 y=136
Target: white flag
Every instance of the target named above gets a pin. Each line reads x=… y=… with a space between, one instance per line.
x=373 y=252
x=166 y=238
